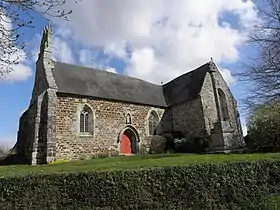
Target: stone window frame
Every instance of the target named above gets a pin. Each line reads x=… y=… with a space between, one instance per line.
x=148 y=122
x=224 y=109
x=92 y=119
x=128 y=118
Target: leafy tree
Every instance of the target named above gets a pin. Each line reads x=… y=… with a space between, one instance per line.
x=262 y=70
x=16 y=15
x=264 y=128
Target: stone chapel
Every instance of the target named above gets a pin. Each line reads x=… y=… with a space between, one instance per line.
x=76 y=111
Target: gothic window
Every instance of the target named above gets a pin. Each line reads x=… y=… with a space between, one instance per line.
x=128 y=119
x=153 y=122
x=223 y=105
x=86 y=120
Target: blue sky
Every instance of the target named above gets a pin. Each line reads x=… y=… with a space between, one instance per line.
x=153 y=41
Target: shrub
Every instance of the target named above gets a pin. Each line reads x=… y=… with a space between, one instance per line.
x=263 y=129
x=169 y=143
x=170 y=140
x=177 y=134
x=240 y=185
x=270 y=202
x=156 y=144
x=192 y=145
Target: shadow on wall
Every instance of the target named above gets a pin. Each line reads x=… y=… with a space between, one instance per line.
x=41 y=156
x=187 y=139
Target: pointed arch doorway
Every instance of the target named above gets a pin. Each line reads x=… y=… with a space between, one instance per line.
x=129 y=141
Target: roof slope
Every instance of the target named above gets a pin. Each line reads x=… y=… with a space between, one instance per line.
x=102 y=84
x=186 y=86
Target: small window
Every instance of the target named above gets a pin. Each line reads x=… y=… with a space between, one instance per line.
x=128 y=119
x=153 y=122
x=86 y=120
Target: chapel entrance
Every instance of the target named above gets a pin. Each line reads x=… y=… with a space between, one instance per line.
x=128 y=142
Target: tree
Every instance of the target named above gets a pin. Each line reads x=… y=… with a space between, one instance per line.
x=263 y=70
x=263 y=128
x=16 y=15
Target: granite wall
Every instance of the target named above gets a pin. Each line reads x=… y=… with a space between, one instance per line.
x=226 y=134
x=188 y=118
x=109 y=121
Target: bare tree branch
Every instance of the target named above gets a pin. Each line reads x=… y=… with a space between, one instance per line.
x=262 y=72
x=16 y=15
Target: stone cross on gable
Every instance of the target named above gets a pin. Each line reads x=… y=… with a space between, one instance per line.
x=213 y=66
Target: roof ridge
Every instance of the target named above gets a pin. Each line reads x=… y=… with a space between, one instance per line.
x=83 y=80
x=189 y=72
x=108 y=72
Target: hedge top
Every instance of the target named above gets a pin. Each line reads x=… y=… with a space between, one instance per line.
x=132 y=162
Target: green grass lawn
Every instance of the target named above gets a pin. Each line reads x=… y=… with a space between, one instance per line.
x=131 y=162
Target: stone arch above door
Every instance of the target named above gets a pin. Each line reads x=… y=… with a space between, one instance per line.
x=128 y=141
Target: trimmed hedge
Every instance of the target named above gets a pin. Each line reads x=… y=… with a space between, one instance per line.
x=208 y=186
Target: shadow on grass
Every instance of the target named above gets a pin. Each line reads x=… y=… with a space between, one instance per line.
x=13 y=159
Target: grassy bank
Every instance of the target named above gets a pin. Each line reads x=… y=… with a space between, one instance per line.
x=131 y=162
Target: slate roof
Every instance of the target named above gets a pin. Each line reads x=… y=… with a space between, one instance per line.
x=186 y=86
x=85 y=81
x=102 y=84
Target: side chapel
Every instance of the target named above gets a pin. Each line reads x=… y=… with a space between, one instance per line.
x=77 y=111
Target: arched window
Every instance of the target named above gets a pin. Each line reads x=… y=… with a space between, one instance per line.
x=86 y=120
x=153 y=122
x=223 y=105
x=128 y=119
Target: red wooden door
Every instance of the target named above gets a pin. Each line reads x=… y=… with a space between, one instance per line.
x=126 y=144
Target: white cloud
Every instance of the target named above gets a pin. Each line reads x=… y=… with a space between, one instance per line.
x=90 y=59
x=110 y=69
x=142 y=62
x=244 y=129
x=16 y=72
x=243 y=125
x=20 y=72
x=62 y=50
x=227 y=76
x=161 y=39
x=87 y=57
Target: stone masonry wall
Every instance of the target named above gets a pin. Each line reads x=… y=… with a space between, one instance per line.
x=212 y=119
x=40 y=142
x=188 y=118
x=209 y=104
x=35 y=134
x=109 y=121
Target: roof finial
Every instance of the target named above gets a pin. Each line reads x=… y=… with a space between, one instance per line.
x=213 y=66
x=46 y=42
